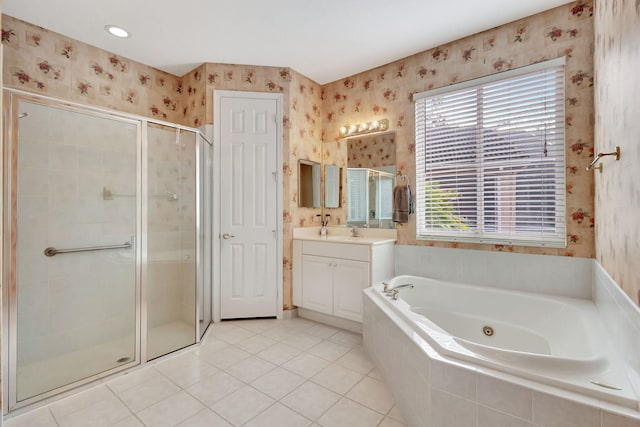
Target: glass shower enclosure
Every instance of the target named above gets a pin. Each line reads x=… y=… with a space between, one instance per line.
x=104 y=243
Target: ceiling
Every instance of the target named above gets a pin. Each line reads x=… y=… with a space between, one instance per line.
x=325 y=40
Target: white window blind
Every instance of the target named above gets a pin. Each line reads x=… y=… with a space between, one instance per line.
x=490 y=159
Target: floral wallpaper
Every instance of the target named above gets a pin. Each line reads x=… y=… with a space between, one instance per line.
x=386 y=92
x=617 y=91
x=372 y=151
x=41 y=61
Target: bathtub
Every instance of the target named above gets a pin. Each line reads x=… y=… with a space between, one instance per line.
x=556 y=341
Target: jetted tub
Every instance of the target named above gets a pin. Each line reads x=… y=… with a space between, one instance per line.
x=553 y=340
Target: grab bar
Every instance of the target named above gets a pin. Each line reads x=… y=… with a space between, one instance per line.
x=51 y=251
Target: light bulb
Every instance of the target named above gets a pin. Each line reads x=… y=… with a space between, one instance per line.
x=343 y=130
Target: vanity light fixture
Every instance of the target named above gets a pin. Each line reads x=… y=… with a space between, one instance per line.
x=116 y=31
x=364 y=128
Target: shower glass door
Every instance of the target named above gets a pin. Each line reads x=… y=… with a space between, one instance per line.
x=73 y=288
x=171 y=239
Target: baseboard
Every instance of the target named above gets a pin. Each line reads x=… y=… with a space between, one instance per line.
x=289 y=314
x=337 y=322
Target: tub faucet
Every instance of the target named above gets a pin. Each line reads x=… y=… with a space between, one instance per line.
x=393 y=292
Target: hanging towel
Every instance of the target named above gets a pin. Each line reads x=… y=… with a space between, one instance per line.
x=402 y=203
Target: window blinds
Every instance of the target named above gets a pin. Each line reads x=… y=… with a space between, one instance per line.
x=490 y=159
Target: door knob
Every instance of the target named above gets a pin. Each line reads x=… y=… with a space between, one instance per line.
x=227 y=236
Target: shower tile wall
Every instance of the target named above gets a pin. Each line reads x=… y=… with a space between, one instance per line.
x=171 y=229
x=73 y=301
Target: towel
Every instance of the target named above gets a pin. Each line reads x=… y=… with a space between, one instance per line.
x=402 y=203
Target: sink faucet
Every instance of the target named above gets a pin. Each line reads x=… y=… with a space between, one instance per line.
x=354 y=231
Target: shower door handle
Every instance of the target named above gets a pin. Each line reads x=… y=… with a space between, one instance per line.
x=227 y=236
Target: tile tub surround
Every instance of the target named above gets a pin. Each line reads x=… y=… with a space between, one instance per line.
x=552 y=275
x=432 y=391
x=262 y=372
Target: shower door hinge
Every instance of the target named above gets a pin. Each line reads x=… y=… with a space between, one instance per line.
x=275 y=175
x=275 y=233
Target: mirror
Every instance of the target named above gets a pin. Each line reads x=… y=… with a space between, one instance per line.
x=332 y=186
x=308 y=184
x=370 y=178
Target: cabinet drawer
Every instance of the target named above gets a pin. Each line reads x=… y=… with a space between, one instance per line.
x=336 y=250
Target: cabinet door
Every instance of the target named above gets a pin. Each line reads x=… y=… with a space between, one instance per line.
x=317 y=283
x=349 y=279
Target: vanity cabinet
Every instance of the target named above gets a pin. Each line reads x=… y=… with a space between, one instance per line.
x=328 y=277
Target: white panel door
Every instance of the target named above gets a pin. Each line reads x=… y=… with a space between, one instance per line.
x=248 y=208
x=349 y=279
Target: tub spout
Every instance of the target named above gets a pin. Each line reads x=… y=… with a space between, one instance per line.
x=393 y=292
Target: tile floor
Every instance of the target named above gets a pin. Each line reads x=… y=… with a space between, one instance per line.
x=246 y=373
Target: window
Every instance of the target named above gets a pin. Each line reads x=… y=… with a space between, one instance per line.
x=490 y=159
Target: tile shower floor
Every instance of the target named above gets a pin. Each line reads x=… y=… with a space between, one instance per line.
x=247 y=372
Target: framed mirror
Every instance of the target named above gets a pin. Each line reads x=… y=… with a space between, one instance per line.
x=370 y=177
x=309 y=184
x=332 y=187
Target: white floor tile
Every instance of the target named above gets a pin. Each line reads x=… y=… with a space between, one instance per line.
x=256 y=344
x=205 y=418
x=396 y=414
x=258 y=326
x=186 y=369
x=321 y=331
x=356 y=360
x=36 y=418
x=373 y=394
x=276 y=357
x=329 y=350
x=250 y=369
x=236 y=335
x=80 y=401
x=306 y=365
x=278 y=383
x=148 y=393
x=279 y=332
x=278 y=415
x=103 y=413
x=346 y=338
x=337 y=378
x=311 y=400
x=133 y=379
x=279 y=353
x=301 y=341
x=214 y=388
x=375 y=374
x=170 y=411
x=347 y=413
x=242 y=405
x=390 y=422
x=131 y=421
x=225 y=357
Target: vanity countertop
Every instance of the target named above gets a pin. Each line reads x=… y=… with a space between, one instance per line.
x=371 y=237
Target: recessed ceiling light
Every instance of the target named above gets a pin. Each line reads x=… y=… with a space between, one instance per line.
x=114 y=30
